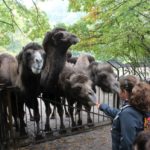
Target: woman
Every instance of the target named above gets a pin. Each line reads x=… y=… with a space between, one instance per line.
x=128 y=121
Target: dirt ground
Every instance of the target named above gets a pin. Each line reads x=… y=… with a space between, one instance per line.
x=99 y=138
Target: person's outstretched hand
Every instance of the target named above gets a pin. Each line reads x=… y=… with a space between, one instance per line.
x=97 y=105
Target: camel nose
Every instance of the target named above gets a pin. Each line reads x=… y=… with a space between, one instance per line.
x=37 y=60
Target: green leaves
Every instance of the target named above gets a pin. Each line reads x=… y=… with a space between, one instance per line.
x=31 y=23
x=114 y=29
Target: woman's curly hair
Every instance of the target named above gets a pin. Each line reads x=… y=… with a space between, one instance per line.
x=140 y=97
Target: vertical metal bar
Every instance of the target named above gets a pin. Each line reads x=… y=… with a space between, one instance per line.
x=8 y=92
x=41 y=108
x=98 y=89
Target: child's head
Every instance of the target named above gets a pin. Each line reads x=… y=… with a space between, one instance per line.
x=126 y=85
x=140 y=97
x=142 y=141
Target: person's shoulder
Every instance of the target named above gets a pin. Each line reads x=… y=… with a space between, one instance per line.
x=130 y=110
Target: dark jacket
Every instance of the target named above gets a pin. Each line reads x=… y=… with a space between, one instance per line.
x=127 y=123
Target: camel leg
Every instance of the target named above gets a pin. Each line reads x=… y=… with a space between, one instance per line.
x=33 y=104
x=89 y=120
x=15 y=111
x=31 y=116
x=21 y=117
x=60 y=112
x=15 y=123
x=36 y=115
x=71 y=109
x=66 y=112
x=53 y=113
x=18 y=112
x=79 y=107
x=48 y=112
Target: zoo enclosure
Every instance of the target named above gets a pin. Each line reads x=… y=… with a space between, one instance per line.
x=9 y=138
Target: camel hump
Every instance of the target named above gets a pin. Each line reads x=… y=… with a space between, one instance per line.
x=8 y=71
x=82 y=62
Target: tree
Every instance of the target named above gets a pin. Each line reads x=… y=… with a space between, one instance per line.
x=17 y=19
x=114 y=28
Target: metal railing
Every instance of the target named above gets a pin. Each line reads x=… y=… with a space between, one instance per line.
x=10 y=139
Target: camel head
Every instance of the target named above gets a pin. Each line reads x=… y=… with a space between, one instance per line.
x=80 y=87
x=32 y=57
x=59 y=38
x=103 y=76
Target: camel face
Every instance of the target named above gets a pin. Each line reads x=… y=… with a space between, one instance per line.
x=55 y=44
x=107 y=82
x=62 y=37
x=81 y=88
x=87 y=94
x=38 y=62
x=103 y=76
x=34 y=60
x=59 y=39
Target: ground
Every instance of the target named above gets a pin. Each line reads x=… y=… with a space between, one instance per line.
x=99 y=138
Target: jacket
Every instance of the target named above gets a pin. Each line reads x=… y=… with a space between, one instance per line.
x=127 y=123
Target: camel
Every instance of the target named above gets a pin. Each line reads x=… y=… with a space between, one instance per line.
x=77 y=88
x=56 y=44
x=23 y=72
x=101 y=74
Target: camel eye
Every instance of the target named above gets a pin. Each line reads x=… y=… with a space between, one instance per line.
x=77 y=88
x=103 y=76
x=28 y=54
x=59 y=35
x=90 y=93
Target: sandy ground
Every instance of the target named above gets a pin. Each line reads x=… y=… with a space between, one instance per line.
x=98 y=138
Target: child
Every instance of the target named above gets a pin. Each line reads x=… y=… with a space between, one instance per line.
x=128 y=121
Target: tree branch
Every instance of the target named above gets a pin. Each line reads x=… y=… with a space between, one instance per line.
x=37 y=12
x=9 y=24
x=12 y=16
x=142 y=14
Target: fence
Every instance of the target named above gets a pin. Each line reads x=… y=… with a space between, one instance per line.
x=6 y=127
x=10 y=139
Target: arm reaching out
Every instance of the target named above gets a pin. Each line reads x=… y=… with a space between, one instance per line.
x=112 y=112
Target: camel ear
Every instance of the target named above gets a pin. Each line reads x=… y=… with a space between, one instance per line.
x=56 y=37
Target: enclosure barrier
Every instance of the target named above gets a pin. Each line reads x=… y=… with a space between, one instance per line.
x=6 y=127
x=10 y=139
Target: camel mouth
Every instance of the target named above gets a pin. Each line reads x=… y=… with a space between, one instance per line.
x=116 y=88
x=36 y=70
x=75 y=41
x=91 y=103
x=92 y=100
x=106 y=89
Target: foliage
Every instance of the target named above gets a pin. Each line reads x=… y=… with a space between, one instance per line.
x=18 y=20
x=114 y=28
